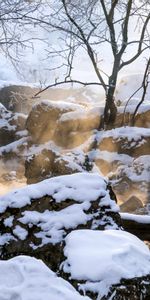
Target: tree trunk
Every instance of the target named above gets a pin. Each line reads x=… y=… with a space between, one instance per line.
x=110 y=111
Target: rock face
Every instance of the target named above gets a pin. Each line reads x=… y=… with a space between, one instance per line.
x=110 y=264
x=35 y=220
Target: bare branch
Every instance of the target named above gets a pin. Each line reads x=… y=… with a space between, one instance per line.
x=66 y=82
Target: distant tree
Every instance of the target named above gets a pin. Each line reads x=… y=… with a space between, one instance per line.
x=89 y=24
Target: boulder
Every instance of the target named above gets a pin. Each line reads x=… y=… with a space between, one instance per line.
x=109 y=162
x=17 y=98
x=76 y=127
x=42 y=120
x=141 y=119
x=34 y=220
x=110 y=264
x=128 y=140
x=136 y=224
x=39 y=166
x=131 y=205
x=132 y=179
x=48 y=162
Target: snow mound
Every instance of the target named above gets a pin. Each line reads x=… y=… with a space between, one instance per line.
x=24 y=278
x=103 y=258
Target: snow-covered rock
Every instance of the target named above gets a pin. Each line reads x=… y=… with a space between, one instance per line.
x=96 y=261
x=48 y=160
x=128 y=140
x=43 y=214
x=42 y=120
x=24 y=278
x=10 y=124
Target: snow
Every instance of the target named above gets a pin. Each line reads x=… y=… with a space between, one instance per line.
x=53 y=223
x=144 y=219
x=80 y=187
x=8 y=222
x=136 y=171
x=20 y=232
x=24 y=278
x=126 y=132
x=111 y=156
x=61 y=105
x=103 y=258
x=131 y=107
x=13 y=147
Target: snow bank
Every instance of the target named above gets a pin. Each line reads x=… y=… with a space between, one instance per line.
x=24 y=278
x=103 y=258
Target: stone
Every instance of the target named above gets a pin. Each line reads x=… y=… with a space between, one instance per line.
x=39 y=166
x=138 y=225
x=132 y=179
x=131 y=205
x=122 y=145
x=42 y=120
x=75 y=128
x=49 y=161
x=141 y=119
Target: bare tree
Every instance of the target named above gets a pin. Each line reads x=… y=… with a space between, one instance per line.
x=88 y=25
x=144 y=86
x=13 y=25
